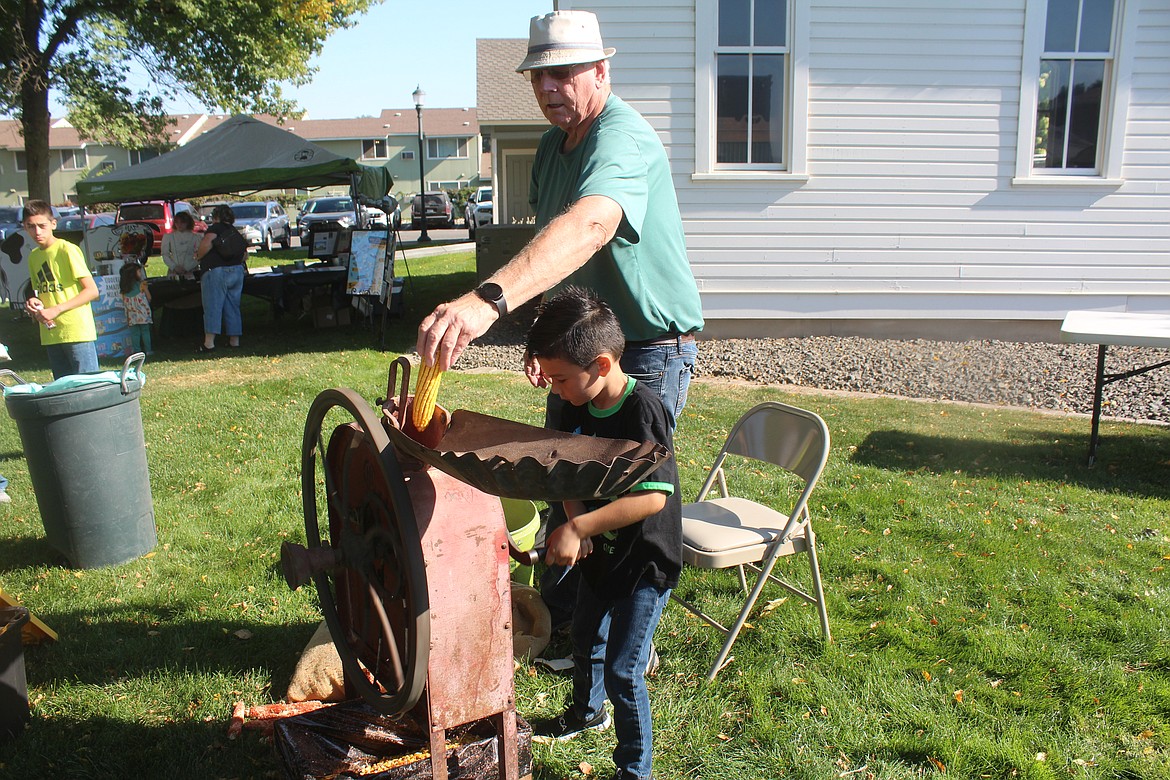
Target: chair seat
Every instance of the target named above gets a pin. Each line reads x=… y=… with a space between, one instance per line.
x=724 y=532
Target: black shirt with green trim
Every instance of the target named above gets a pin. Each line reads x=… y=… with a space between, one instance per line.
x=651 y=548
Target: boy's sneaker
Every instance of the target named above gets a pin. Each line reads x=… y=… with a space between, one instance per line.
x=653 y=662
x=567 y=726
x=621 y=774
x=5 y=498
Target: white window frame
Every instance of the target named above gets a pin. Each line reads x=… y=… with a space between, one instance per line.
x=1114 y=109
x=408 y=154
x=131 y=154
x=21 y=163
x=376 y=142
x=461 y=143
x=69 y=159
x=795 y=100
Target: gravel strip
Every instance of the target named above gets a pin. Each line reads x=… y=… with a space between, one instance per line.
x=1057 y=377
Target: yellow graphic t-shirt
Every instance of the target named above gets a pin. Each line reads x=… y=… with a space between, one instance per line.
x=56 y=275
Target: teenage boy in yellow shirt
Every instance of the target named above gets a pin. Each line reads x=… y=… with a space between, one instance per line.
x=62 y=289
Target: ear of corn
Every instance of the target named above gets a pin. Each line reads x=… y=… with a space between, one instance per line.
x=426 y=393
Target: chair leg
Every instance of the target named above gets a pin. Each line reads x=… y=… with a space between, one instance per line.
x=765 y=570
x=818 y=589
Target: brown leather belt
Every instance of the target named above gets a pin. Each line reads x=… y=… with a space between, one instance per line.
x=677 y=338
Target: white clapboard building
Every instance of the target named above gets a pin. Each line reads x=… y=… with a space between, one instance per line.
x=931 y=168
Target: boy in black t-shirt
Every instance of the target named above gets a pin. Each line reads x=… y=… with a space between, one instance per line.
x=629 y=548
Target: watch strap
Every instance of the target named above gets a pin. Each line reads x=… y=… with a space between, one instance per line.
x=493 y=294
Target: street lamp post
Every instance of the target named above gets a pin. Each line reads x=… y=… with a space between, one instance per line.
x=418 y=96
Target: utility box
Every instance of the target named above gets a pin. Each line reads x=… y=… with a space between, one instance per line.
x=495 y=245
x=14 y=712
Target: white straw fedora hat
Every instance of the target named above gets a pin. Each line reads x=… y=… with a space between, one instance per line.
x=564 y=38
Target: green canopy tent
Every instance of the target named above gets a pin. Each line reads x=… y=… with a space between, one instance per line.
x=242 y=154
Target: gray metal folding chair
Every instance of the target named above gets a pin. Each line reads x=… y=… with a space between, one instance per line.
x=727 y=531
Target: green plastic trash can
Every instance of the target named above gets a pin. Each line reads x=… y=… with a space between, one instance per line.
x=86 y=454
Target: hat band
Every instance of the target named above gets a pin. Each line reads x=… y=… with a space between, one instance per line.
x=554 y=46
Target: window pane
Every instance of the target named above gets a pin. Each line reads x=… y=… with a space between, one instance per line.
x=1050 y=113
x=771 y=27
x=1085 y=117
x=1097 y=26
x=1060 y=32
x=731 y=98
x=733 y=22
x=768 y=108
x=73 y=159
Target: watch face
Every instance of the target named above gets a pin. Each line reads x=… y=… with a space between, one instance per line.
x=490 y=291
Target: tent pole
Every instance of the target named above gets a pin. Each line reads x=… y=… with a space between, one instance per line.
x=353 y=196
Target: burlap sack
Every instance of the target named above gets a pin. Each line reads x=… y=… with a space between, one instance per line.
x=531 y=622
x=318 y=676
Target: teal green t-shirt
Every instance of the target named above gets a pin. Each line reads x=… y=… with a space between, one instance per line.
x=643 y=273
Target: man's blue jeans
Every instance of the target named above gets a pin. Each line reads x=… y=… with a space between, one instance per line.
x=611 y=646
x=665 y=369
x=77 y=357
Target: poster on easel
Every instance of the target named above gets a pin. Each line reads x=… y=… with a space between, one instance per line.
x=324 y=244
x=367 y=261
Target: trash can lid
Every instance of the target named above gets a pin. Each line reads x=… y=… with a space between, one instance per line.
x=67 y=384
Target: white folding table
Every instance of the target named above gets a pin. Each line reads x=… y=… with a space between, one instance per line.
x=1106 y=328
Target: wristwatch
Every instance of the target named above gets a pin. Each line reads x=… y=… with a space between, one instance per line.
x=493 y=294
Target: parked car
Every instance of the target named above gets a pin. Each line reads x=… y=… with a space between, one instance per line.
x=262 y=223
x=159 y=214
x=205 y=209
x=388 y=212
x=73 y=228
x=9 y=220
x=440 y=212
x=337 y=209
x=85 y=222
x=478 y=210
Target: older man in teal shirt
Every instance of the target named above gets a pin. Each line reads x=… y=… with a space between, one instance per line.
x=607 y=215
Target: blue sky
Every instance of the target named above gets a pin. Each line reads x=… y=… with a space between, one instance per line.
x=399 y=45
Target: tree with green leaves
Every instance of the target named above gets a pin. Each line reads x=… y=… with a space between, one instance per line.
x=229 y=55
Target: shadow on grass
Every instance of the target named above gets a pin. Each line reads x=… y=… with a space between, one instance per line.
x=125 y=643
x=28 y=551
x=1137 y=462
x=104 y=747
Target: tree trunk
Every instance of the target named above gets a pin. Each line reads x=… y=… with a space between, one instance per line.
x=34 y=124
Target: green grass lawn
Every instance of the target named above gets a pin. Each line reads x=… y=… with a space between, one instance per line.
x=999 y=609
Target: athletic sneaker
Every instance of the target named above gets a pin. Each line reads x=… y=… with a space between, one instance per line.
x=567 y=726
x=5 y=498
x=653 y=662
x=621 y=774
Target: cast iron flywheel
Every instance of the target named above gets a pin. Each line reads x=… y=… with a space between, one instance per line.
x=368 y=564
